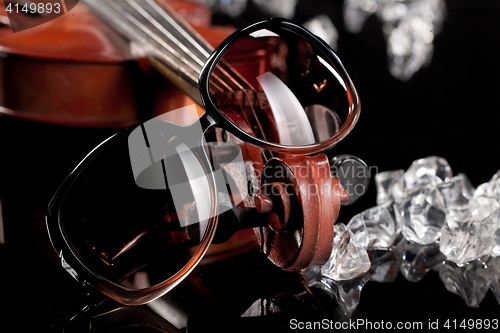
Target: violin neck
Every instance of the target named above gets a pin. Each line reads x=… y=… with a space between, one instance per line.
x=173 y=47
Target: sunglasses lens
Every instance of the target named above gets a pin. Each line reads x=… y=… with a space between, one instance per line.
x=138 y=210
x=283 y=87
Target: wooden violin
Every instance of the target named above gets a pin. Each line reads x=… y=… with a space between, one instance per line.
x=298 y=226
x=296 y=229
x=65 y=86
x=76 y=71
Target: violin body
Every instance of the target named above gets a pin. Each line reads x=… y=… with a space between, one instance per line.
x=68 y=83
x=76 y=71
x=66 y=86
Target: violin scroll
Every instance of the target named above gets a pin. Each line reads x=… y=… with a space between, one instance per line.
x=300 y=202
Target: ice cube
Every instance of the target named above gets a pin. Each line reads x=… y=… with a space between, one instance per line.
x=494 y=264
x=427 y=170
x=493 y=225
x=346 y=293
x=470 y=281
x=417 y=260
x=423 y=215
x=482 y=207
x=490 y=189
x=348 y=259
x=483 y=190
x=464 y=241
x=376 y=227
x=385 y=264
x=457 y=192
x=323 y=27
x=312 y=274
x=495 y=185
x=390 y=186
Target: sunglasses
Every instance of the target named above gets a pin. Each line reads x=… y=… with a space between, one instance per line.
x=139 y=212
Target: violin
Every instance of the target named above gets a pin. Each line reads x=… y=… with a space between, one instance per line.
x=76 y=71
x=66 y=85
x=116 y=71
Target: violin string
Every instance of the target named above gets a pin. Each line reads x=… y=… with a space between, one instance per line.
x=245 y=92
x=195 y=64
x=206 y=50
x=121 y=18
x=152 y=34
x=229 y=75
x=149 y=32
x=233 y=77
x=165 y=32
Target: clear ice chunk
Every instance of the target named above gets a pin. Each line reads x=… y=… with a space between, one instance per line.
x=427 y=170
x=417 y=260
x=491 y=189
x=312 y=274
x=376 y=227
x=390 y=186
x=464 y=241
x=385 y=264
x=348 y=259
x=457 y=192
x=470 y=281
x=356 y=12
x=493 y=225
x=409 y=28
x=346 y=293
x=323 y=27
x=477 y=209
x=494 y=264
x=495 y=185
x=482 y=207
x=483 y=190
x=423 y=215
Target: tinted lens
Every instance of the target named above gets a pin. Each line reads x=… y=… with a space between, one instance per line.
x=283 y=86
x=139 y=207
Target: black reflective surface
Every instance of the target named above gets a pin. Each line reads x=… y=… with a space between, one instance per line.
x=448 y=109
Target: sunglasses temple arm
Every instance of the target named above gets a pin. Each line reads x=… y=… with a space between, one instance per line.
x=92 y=300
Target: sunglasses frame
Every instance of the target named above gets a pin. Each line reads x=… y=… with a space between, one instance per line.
x=275 y=24
x=85 y=276
x=212 y=117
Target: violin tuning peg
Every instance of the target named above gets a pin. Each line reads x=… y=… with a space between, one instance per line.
x=274 y=198
x=353 y=174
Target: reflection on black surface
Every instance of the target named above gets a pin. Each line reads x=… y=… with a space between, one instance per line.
x=291 y=306
x=122 y=319
x=385 y=264
x=200 y=307
x=275 y=310
x=280 y=301
x=417 y=260
x=249 y=293
x=347 y=293
x=470 y=281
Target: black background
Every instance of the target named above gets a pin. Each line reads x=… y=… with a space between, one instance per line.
x=448 y=109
